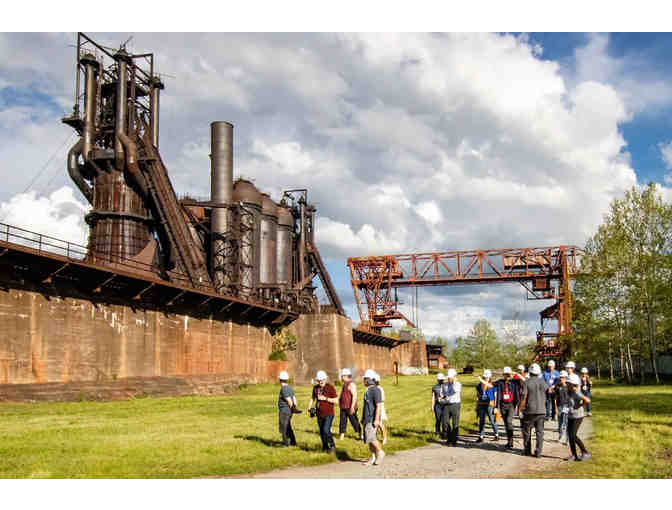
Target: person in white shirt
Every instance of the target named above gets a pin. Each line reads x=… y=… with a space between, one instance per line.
x=450 y=398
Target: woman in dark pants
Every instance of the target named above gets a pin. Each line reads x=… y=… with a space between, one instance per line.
x=586 y=387
x=576 y=414
x=437 y=407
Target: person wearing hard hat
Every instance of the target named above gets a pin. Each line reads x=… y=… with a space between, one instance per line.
x=570 y=366
x=324 y=397
x=576 y=413
x=507 y=400
x=371 y=417
x=383 y=414
x=451 y=400
x=586 y=387
x=550 y=377
x=347 y=403
x=286 y=407
x=486 y=398
x=520 y=377
x=561 y=393
x=532 y=409
x=436 y=405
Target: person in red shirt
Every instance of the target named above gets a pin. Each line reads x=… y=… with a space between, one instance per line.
x=324 y=397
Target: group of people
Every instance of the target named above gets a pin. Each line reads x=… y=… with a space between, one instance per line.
x=532 y=397
x=323 y=401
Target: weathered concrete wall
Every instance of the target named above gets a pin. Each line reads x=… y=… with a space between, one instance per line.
x=58 y=340
x=58 y=348
x=324 y=342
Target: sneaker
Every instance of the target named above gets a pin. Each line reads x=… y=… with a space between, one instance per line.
x=537 y=455
x=564 y=441
x=341 y=437
x=379 y=458
x=590 y=414
x=496 y=438
x=585 y=456
x=480 y=439
x=571 y=458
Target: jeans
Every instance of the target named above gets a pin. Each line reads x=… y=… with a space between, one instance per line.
x=438 y=411
x=562 y=424
x=450 y=412
x=285 y=426
x=507 y=416
x=550 y=406
x=573 y=425
x=536 y=421
x=587 y=406
x=324 y=423
x=483 y=411
x=343 y=422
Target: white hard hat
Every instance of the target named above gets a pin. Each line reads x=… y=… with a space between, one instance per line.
x=574 y=379
x=440 y=376
x=451 y=373
x=283 y=376
x=570 y=364
x=345 y=371
x=584 y=370
x=551 y=363
x=535 y=369
x=376 y=376
x=321 y=375
x=506 y=370
x=369 y=374
x=487 y=373
x=521 y=368
x=563 y=373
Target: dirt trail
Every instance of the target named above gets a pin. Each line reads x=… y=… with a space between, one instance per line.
x=468 y=460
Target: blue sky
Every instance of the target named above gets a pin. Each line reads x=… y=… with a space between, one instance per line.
x=406 y=142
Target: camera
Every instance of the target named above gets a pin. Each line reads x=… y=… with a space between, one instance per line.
x=313 y=412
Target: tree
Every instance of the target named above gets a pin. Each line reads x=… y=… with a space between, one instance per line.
x=481 y=344
x=623 y=296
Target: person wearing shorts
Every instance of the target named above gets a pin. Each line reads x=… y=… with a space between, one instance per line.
x=371 y=417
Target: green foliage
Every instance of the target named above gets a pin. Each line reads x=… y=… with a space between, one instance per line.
x=283 y=342
x=623 y=295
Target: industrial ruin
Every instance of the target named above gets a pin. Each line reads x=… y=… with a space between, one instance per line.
x=170 y=295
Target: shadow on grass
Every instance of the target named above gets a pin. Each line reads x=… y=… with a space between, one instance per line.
x=341 y=455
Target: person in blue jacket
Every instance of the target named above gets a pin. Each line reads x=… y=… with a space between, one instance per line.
x=486 y=398
x=550 y=377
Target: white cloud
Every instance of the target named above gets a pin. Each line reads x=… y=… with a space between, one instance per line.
x=59 y=215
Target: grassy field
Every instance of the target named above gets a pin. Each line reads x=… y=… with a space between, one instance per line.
x=194 y=436
x=632 y=428
x=237 y=434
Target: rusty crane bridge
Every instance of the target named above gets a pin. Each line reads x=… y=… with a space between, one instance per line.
x=544 y=272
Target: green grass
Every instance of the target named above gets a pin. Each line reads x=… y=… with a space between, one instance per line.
x=238 y=434
x=194 y=436
x=632 y=434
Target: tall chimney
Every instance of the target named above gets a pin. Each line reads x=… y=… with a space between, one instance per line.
x=221 y=196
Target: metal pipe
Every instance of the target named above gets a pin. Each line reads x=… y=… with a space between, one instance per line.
x=131 y=150
x=75 y=172
x=221 y=193
x=122 y=59
x=90 y=91
x=268 y=273
x=157 y=86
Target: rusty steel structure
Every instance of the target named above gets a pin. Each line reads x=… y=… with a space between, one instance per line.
x=238 y=243
x=545 y=273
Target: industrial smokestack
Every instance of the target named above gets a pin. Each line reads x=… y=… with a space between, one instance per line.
x=122 y=59
x=157 y=86
x=91 y=66
x=221 y=194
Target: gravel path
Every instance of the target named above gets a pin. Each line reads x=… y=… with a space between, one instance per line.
x=468 y=460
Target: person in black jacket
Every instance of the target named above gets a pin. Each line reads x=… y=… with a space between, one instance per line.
x=508 y=398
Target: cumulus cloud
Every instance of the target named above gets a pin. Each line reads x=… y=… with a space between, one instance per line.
x=59 y=215
x=406 y=142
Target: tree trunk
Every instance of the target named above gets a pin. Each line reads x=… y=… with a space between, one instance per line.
x=611 y=364
x=652 y=343
x=630 y=360
x=598 y=370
